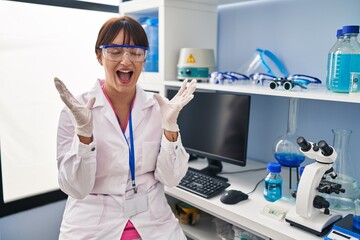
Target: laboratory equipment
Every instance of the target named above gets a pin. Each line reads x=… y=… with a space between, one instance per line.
x=152 y=31
x=227 y=77
x=347 y=59
x=344 y=230
x=286 y=150
x=356 y=220
x=264 y=61
x=311 y=211
x=331 y=61
x=217 y=126
x=287 y=83
x=344 y=201
x=273 y=182
x=195 y=63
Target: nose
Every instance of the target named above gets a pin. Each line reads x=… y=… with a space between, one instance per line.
x=126 y=59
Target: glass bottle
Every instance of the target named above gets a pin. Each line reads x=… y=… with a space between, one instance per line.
x=345 y=173
x=332 y=58
x=151 y=27
x=347 y=59
x=286 y=150
x=273 y=182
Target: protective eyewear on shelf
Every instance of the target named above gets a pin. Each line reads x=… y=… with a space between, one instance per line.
x=287 y=83
x=117 y=52
x=231 y=77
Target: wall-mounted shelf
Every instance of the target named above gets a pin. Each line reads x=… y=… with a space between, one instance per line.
x=315 y=93
x=187 y=23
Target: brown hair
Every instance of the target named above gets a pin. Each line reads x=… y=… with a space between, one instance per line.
x=111 y=28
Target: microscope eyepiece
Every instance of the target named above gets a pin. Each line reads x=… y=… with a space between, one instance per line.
x=305 y=145
x=325 y=148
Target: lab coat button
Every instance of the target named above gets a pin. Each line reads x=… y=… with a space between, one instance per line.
x=93 y=149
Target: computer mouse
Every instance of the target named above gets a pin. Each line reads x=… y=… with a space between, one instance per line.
x=233 y=197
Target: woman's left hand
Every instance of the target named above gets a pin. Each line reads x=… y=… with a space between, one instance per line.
x=170 y=109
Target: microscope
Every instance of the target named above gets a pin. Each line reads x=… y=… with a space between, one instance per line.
x=311 y=211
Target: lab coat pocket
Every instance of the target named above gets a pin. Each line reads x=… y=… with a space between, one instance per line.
x=150 y=151
x=158 y=206
x=84 y=212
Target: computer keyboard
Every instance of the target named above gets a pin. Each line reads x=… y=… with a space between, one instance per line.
x=201 y=184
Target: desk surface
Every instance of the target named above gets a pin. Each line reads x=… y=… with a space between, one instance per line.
x=246 y=214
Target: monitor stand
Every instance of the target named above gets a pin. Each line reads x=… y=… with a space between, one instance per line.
x=214 y=167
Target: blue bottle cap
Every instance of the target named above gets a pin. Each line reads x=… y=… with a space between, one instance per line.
x=339 y=32
x=350 y=29
x=273 y=167
x=152 y=21
x=142 y=20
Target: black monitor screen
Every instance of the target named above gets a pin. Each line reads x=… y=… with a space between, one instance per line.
x=214 y=125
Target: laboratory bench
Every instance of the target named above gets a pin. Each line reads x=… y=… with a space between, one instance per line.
x=247 y=214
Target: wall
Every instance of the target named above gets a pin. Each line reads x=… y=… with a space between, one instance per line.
x=37 y=43
x=300 y=33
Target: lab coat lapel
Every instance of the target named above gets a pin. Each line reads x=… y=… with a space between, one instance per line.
x=143 y=102
x=105 y=106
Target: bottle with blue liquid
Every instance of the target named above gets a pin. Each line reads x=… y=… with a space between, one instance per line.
x=332 y=58
x=273 y=182
x=152 y=32
x=346 y=60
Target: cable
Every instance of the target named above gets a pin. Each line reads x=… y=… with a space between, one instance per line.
x=244 y=171
x=256 y=186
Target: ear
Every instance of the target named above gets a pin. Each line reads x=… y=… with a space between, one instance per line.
x=100 y=60
x=99 y=57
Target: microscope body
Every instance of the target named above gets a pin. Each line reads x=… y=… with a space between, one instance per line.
x=311 y=211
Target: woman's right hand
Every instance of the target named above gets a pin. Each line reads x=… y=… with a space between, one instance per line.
x=82 y=114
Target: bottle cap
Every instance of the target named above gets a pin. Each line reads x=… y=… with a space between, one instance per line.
x=350 y=29
x=152 y=21
x=273 y=167
x=339 y=32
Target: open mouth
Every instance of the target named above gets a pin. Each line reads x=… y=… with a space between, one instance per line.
x=124 y=76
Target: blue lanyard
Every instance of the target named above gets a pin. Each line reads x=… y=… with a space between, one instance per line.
x=131 y=146
x=131 y=151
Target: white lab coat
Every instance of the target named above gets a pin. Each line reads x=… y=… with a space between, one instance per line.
x=96 y=177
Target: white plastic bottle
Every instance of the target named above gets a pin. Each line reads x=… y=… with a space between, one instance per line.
x=347 y=60
x=332 y=58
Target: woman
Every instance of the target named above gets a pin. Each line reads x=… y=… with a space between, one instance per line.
x=119 y=145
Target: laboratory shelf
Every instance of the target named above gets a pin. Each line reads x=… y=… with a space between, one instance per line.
x=245 y=215
x=204 y=229
x=314 y=93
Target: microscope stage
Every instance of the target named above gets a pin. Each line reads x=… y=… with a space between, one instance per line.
x=319 y=224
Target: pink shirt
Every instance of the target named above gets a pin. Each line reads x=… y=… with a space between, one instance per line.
x=130 y=232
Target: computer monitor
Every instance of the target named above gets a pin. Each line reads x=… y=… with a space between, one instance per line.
x=215 y=125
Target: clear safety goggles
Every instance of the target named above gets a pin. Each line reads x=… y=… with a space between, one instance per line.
x=117 y=52
x=227 y=77
x=287 y=83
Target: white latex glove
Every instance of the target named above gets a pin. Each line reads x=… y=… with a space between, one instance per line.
x=170 y=109
x=82 y=114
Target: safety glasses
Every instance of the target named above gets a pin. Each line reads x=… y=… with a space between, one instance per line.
x=117 y=52
x=287 y=83
x=227 y=77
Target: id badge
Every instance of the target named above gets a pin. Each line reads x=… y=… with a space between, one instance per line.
x=135 y=204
